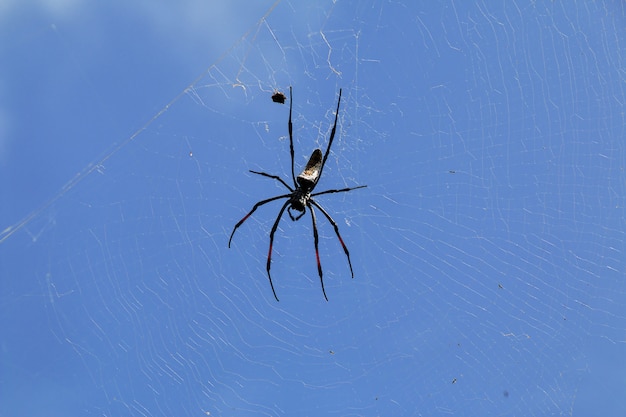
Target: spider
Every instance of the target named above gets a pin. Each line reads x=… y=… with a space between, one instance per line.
x=301 y=196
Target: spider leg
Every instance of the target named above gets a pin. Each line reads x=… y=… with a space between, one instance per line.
x=269 y=254
x=275 y=177
x=330 y=219
x=293 y=175
x=332 y=136
x=342 y=190
x=317 y=252
x=256 y=206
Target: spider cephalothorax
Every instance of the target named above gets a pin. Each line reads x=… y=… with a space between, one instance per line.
x=301 y=196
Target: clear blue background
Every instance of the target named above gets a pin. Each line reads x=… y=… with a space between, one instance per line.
x=488 y=247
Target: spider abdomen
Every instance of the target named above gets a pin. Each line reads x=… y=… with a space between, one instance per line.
x=311 y=173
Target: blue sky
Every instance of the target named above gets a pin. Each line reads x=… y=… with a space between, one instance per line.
x=488 y=247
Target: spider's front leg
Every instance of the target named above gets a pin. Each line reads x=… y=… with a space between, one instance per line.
x=256 y=206
x=316 y=241
x=269 y=253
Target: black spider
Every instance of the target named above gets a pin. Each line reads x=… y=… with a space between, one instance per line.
x=301 y=196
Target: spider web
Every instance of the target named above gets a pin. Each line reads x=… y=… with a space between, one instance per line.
x=488 y=247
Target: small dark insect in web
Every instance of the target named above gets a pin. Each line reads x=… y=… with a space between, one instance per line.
x=301 y=196
x=279 y=97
